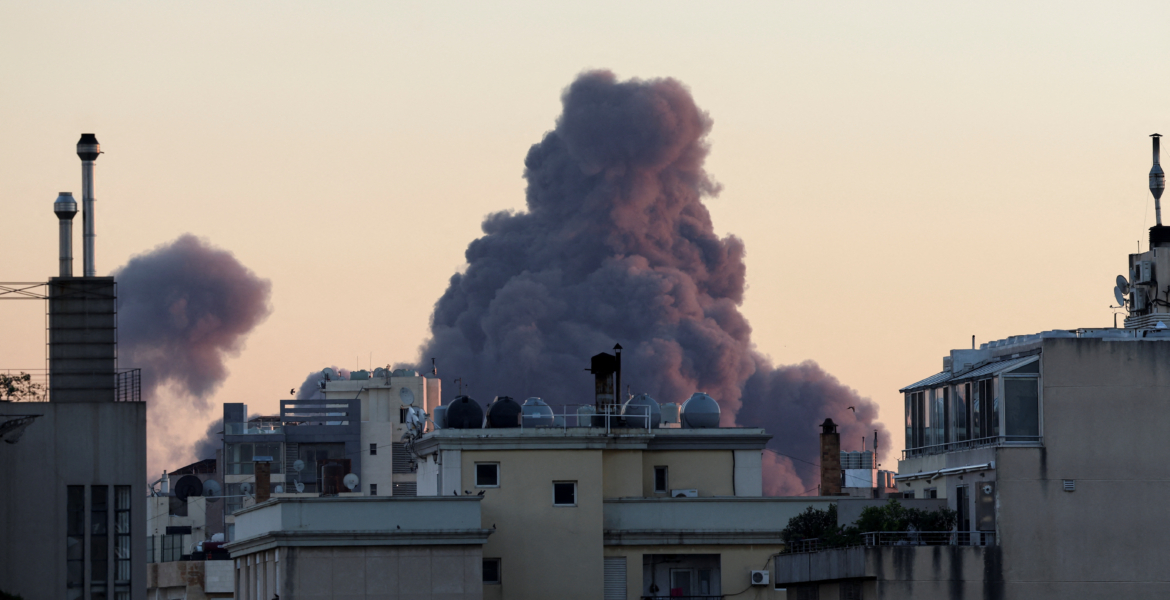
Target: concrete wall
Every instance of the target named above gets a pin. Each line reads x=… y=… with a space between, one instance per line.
x=711 y=514
x=382 y=573
x=190 y=580
x=69 y=444
x=909 y=573
x=1106 y=428
x=358 y=513
x=545 y=549
x=712 y=472
x=624 y=474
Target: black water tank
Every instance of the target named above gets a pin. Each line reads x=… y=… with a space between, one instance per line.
x=464 y=413
x=504 y=412
x=1159 y=236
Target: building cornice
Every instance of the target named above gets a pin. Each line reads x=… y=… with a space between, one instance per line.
x=586 y=439
x=691 y=537
x=415 y=537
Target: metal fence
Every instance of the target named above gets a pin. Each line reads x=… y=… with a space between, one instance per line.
x=32 y=385
x=999 y=440
x=898 y=538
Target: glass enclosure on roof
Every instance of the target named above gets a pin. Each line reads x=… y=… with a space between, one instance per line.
x=994 y=404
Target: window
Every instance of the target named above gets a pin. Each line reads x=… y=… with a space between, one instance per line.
x=373 y=449
x=487 y=474
x=564 y=493
x=660 y=480
x=1023 y=408
x=150 y=557
x=172 y=547
x=930 y=493
x=75 y=542
x=491 y=570
x=850 y=590
x=99 y=538
x=122 y=534
x=373 y=489
x=402 y=415
x=240 y=457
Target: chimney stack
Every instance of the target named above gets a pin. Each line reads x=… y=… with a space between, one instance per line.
x=66 y=208
x=263 y=480
x=830 y=459
x=88 y=150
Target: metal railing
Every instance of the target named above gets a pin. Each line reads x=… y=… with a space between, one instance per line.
x=33 y=385
x=668 y=596
x=999 y=440
x=875 y=539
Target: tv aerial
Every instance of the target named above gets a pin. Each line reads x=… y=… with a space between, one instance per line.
x=351 y=481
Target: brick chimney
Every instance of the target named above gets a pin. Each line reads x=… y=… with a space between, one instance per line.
x=830 y=459
x=264 y=481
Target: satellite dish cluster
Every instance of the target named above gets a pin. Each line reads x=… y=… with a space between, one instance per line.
x=1120 y=291
x=189 y=486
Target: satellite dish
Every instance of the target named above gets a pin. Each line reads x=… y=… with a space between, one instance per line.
x=300 y=486
x=298 y=465
x=278 y=489
x=246 y=489
x=211 y=490
x=381 y=372
x=188 y=486
x=328 y=374
x=1122 y=284
x=407 y=396
x=1119 y=295
x=351 y=481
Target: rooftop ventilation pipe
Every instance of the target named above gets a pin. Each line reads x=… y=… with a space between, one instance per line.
x=88 y=150
x=66 y=208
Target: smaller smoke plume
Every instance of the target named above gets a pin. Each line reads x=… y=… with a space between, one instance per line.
x=212 y=441
x=311 y=387
x=184 y=308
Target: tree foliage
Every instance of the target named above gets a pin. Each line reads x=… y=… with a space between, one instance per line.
x=20 y=388
x=821 y=525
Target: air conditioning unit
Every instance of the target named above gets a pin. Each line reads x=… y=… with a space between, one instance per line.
x=1143 y=272
x=760 y=577
x=684 y=493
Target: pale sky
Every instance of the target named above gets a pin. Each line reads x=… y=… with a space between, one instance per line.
x=903 y=176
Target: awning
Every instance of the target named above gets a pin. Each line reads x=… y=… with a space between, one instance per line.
x=990 y=466
x=979 y=371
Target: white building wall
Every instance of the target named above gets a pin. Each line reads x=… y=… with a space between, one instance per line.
x=749 y=469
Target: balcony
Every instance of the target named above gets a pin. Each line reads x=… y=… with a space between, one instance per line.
x=1001 y=440
x=32 y=385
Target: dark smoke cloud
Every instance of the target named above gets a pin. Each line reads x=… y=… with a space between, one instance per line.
x=212 y=441
x=183 y=309
x=617 y=246
x=311 y=388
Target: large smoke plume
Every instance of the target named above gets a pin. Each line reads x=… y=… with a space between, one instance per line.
x=183 y=309
x=617 y=246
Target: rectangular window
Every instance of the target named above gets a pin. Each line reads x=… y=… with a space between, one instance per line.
x=373 y=489
x=491 y=570
x=487 y=474
x=75 y=542
x=122 y=534
x=993 y=408
x=150 y=549
x=909 y=421
x=239 y=459
x=172 y=547
x=373 y=449
x=660 y=480
x=402 y=415
x=959 y=410
x=564 y=493
x=1023 y=408
x=99 y=537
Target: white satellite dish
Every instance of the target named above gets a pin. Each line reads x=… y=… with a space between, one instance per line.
x=1119 y=296
x=298 y=465
x=300 y=486
x=407 y=396
x=279 y=489
x=211 y=490
x=1122 y=284
x=246 y=489
x=351 y=481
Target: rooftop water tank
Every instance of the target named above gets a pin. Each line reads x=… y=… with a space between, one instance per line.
x=642 y=411
x=440 y=417
x=584 y=416
x=503 y=412
x=537 y=413
x=700 y=411
x=464 y=413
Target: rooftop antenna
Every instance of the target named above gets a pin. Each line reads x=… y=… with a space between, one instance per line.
x=459 y=382
x=1157 y=180
x=88 y=150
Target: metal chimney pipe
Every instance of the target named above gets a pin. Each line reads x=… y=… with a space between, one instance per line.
x=65 y=208
x=1157 y=179
x=88 y=150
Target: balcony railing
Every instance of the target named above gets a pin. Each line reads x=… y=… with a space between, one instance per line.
x=898 y=538
x=1000 y=440
x=32 y=385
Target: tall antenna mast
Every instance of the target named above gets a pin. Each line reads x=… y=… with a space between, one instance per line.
x=1157 y=179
